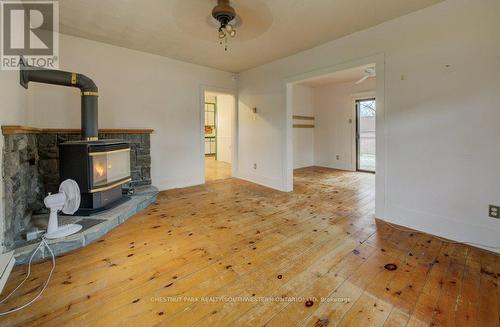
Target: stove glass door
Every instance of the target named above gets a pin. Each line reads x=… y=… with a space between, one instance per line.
x=109 y=167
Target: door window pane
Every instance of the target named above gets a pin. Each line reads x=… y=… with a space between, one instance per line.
x=366 y=134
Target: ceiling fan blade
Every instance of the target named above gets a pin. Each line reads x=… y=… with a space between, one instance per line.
x=363 y=79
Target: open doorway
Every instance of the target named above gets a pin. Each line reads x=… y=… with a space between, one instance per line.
x=218 y=135
x=376 y=74
x=334 y=120
x=329 y=126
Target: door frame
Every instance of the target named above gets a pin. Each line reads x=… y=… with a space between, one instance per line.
x=381 y=145
x=234 y=128
x=356 y=115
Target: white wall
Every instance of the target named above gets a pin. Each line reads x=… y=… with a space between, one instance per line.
x=136 y=90
x=335 y=129
x=225 y=110
x=14 y=103
x=303 y=138
x=442 y=164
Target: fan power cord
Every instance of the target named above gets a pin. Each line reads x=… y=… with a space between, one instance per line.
x=42 y=244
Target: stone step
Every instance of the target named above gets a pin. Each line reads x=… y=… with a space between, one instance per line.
x=94 y=226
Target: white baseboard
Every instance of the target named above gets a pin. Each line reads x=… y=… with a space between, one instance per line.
x=445 y=227
x=270 y=182
x=169 y=184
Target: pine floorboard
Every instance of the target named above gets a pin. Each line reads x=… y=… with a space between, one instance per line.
x=232 y=253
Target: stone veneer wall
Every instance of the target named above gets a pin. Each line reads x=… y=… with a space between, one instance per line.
x=31 y=170
x=48 y=150
x=22 y=184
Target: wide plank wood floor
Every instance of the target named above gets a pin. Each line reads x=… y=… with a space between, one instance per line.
x=231 y=253
x=216 y=169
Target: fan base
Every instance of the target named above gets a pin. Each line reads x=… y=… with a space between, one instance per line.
x=64 y=230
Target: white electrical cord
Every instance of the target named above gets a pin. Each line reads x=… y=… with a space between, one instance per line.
x=440 y=238
x=42 y=243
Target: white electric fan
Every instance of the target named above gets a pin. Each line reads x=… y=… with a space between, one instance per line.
x=67 y=201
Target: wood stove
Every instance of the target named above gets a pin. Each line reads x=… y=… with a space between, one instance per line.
x=100 y=168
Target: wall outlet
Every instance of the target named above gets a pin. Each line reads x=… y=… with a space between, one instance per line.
x=254 y=166
x=338 y=157
x=494 y=211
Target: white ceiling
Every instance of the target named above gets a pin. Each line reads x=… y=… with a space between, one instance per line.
x=344 y=76
x=183 y=29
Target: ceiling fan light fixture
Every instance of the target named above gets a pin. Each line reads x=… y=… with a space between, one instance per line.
x=224 y=14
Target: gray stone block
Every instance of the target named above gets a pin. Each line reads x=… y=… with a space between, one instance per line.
x=47 y=140
x=146 y=140
x=146 y=173
x=11 y=161
x=144 y=161
x=49 y=166
x=142 y=151
x=68 y=244
x=132 y=138
x=17 y=142
x=48 y=153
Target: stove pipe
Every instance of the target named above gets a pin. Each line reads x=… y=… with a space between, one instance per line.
x=58 y=77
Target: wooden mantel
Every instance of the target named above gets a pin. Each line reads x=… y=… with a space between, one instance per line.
x=18 y=129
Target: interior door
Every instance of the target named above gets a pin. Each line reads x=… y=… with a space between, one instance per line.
x=366 y=135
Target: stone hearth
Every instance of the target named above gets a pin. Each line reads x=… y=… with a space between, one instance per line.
x=94 y=226
x=31 y=170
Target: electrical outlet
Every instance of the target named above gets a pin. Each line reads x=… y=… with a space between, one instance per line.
x=254 y=166
x=494 y=211
x=338 y=157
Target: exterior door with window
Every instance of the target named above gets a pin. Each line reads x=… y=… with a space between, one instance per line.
x=365 y=135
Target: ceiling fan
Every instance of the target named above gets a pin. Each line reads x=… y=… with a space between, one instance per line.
x=225 y=15
x=370 y=72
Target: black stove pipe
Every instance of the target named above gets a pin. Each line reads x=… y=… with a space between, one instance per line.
x=86 y=85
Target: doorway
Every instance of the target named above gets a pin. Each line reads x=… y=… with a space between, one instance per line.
x=218 y=138
x=378 y=61
x=366 y=135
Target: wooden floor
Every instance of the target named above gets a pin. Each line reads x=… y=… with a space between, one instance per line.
x=216 y=169
x=313 y=257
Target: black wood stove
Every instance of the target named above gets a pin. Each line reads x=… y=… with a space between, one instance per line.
x=100 y=167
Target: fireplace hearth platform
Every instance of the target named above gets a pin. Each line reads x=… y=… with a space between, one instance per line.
x=94 y=227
